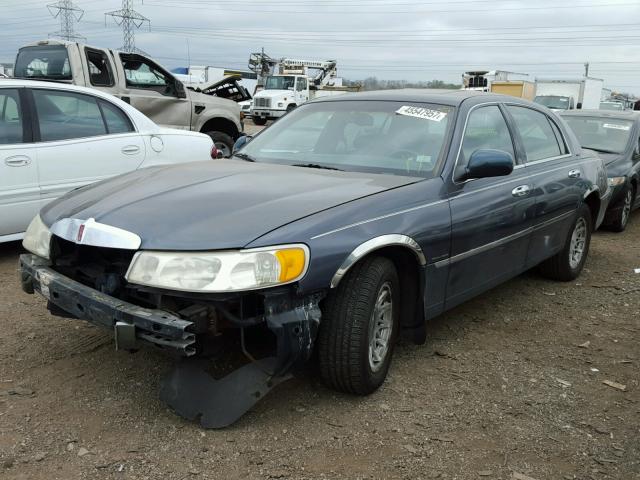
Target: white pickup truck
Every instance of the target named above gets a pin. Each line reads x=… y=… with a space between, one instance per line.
x=137 y=80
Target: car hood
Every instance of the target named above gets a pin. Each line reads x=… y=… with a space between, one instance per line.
x=607 y=158
x=214 y=205
x=272 y=93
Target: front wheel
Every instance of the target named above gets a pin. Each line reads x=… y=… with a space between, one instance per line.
x=568 y=263
x=359 y=327
x=259 y=120
x=223 y=142
x=621 y=219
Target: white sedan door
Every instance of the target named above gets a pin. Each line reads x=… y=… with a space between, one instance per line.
x=19 y=192
x=83 y=139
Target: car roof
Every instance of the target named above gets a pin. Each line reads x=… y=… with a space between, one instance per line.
x=621 y=115
x=426 y=95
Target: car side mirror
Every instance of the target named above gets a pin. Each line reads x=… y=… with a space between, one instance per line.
x=180 y=91
x=241 y=142
x=489 y=163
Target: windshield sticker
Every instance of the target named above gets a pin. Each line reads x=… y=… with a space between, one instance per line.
x=626 y=128
x=419 y=112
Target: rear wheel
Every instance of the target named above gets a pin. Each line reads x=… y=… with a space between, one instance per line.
x=259 y=120
x=568 y=263
x=223 y=142
x=359 y=327
x=621 y=219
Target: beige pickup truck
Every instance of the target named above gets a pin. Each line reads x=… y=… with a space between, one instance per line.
x=139 y=81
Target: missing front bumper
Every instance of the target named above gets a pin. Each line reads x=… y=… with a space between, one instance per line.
x=131 y=324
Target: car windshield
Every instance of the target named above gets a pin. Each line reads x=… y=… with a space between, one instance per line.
x=552 y=101
x=47 y=61
x=279 y=83
x=609 y=135
x=611 y=106
x=399 y=138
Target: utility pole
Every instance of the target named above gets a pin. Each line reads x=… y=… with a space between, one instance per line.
x=130 y=20
x=68 y=13
x=586 y=69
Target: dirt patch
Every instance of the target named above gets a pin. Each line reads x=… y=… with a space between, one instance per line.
x=508 y=385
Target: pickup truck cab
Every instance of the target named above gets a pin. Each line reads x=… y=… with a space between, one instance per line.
x=137 y=80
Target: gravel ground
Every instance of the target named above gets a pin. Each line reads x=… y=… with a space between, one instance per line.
x=508 y=386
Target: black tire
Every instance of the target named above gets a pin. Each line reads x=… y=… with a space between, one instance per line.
x=560 y=267
x=223 y=142
x=259 y=120
x=291 y=107
x=344 y=336
x=621 y=220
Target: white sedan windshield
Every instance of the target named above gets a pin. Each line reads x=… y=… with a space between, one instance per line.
x=366 y=136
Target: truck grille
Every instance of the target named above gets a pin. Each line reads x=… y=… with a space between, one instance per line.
x=262 y=102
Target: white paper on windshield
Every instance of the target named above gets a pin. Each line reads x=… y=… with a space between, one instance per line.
x=419 y=112
x=626 y=128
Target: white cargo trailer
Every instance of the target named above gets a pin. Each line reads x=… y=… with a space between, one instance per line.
x=569 y=94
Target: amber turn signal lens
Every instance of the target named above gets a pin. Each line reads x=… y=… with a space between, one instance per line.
x=292 y=263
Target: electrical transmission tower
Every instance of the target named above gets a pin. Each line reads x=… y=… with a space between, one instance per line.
x=130 y=20
x=68 y=13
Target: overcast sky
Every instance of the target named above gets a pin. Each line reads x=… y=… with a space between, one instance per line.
x=390 y=39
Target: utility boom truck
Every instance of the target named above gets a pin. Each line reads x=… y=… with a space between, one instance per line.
x=293 y=86
x=137 y=80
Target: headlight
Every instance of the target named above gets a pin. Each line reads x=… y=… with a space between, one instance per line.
x=37 y=238
x=220 y=271
x=615 y=181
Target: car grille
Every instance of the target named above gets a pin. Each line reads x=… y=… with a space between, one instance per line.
x=262 y=102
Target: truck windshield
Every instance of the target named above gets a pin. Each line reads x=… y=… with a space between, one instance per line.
x=611 y=106
x=385 y=137
x=609 y=135
x=46 y=61
x=553 y=101
x=279 y=83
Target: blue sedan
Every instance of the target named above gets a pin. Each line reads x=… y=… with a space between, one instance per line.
x=350 y=219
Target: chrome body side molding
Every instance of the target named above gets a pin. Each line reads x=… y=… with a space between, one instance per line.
x=375 y=244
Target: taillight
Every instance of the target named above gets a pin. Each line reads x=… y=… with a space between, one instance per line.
x=215 y=153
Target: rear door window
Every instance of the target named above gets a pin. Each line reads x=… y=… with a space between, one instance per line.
x=65 y=115
x=100 y=73
x=11 y=129
x=46 y=61
x=536 y=132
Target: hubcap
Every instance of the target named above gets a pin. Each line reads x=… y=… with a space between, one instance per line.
x=626 y=207
x=380 y=327
x=578 y=242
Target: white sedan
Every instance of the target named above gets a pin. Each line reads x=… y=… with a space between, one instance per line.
x=58 y=137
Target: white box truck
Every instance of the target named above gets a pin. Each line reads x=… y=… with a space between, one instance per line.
x=569 y=94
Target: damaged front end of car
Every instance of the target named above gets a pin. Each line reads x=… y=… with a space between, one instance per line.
x=92 y=283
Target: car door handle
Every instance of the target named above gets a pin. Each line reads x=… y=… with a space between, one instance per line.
x=574 y=173
x=521 y=191
x=17 y=161
x=130 y=149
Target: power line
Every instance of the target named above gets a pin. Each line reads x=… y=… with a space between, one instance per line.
x=68 y=13
x=130 y=20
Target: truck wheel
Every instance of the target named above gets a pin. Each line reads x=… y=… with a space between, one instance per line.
x=291 y=107
x=620 y=221
x=223 y=142
x=359 y=327
x=567 y=264
x=259 y=120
